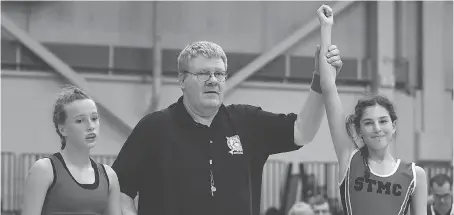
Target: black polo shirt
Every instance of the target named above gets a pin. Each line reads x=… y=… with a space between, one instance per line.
x=167 y=160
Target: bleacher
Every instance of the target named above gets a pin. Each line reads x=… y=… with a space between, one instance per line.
x=280 y=188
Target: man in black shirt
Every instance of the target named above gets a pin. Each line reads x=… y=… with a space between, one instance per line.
x=200 y=157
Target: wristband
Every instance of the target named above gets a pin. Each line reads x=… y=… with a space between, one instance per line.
x=315 y=85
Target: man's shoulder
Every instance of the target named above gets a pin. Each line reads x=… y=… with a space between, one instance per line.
x=158 y=115
x=242 y=109
x=156 y=118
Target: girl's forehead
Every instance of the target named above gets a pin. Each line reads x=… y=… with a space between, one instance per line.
x=375 y=112
x=81 y=107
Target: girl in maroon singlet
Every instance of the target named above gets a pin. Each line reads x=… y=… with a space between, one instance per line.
x=70 y=182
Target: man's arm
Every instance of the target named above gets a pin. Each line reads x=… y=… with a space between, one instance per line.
x=278 y=133
x=310 y=118
x=129 y=164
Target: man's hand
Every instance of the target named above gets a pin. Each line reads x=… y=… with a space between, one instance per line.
x=332 y=57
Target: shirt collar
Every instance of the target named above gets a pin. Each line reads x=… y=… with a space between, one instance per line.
x=184 y=118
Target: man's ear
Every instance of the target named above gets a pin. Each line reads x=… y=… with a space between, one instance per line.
x=181 y=79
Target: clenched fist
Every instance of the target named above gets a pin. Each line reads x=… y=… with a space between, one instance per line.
x=325 y=15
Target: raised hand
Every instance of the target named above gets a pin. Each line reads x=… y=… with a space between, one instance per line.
x=327 y=71
x=325 y=15
x=333 y=58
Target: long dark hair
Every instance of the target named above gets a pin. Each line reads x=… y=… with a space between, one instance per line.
x=353 y=121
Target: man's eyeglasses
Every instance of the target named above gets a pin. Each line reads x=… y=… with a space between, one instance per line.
x=206 y=75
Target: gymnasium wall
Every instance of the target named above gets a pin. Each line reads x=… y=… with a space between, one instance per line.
x=82 y=33
x=27 y=99
x=246 y=27
x=243 y=29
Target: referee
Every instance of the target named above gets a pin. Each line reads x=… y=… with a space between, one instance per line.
x=200 y=157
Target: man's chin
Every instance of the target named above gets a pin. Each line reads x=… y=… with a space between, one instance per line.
x=212 y=103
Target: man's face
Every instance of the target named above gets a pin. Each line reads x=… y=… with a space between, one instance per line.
x=322 y=209
x=442 y=195
x=203 y=94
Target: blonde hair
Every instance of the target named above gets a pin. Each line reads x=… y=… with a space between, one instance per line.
x=200 y=48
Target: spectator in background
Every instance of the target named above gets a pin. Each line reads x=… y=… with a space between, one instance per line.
x=441 y=190
x=301 y=208
x=320 y=205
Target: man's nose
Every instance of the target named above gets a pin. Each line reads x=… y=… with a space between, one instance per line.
x=212 y=79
